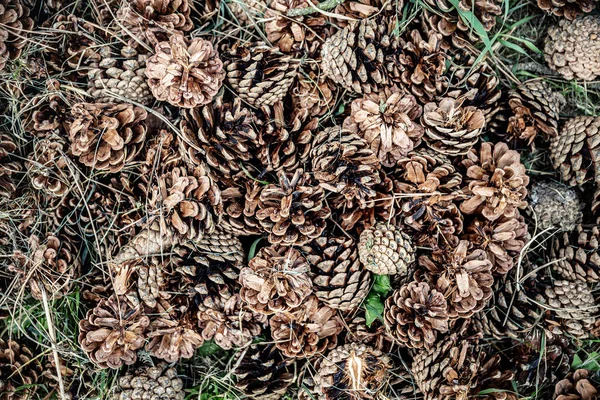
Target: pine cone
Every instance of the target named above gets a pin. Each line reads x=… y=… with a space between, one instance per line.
x=247 y=12
x=450 y=127
x=576 y=150
x=106 y=136
x=386 y=250
x=576 y=386
x=361 y=9
x=310 y=329
x=388 y=121
x=116 y=78
x=338 y=279
x=570 y=9
x=20 y=371
x=235 y=200
x=292 y=212
x=573 y=308
x=48 y=112
x=352 y=372
x=276 y=280
x=314 y=92
x=158 y=381
x=464 y=277
x=263 y=373
x=260 y=74
x=415 y=314
x=185 y=74
x=555 y=205
x=112 y=332
x=575 y=255
x=497 y=182
x=47 y=166
x=573 y=48
x=376 y=336
x=7 y=166
x=15 y=26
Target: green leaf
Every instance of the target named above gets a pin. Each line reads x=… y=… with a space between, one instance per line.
x=512 y=46
x=373 y=309
x=209 y=348
x=252 y=251
x=471 y=20
x=526 y=42
x=592 y=363
x=381 y=285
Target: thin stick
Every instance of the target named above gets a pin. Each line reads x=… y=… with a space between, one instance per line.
x=52 y=333
x=322 y=6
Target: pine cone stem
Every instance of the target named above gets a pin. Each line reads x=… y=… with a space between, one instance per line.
x=322 y=6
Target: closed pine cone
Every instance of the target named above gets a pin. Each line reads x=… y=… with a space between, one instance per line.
x=106 y=136
x=15 y=24
x=575 y=152
x=112 y=332
x=496 y=182
x=575 y=255
x=386 y=250
x=576 y=386
x=20 y=371
x=276 y=280
x=185 y=74
x=555 y=205
x=388 y=121
x=573 y=48
x=155 y=382
x=47 y=166
x=573 y=309
x=570 y=9
x=415 y=314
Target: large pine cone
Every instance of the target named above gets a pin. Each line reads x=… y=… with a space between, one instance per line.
x=276 y=280
x=573 y=48
x=575 y=255
x=386 y=250
x=576 y=386
x=338 y=278
x=415 y=314
x=294 y=211
x=106 y=136
x=15 y=26
x=555 y=205
x=112 y=332
x=20 y=371
x=186 y=74
x=573 y=307
x=157 y=382
x=576 y=150
x=388 y=121
x=570 y=9
x=497 y=182
x=48 y=166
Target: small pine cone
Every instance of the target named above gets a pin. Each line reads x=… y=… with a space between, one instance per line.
x=576 y=150
x=151 y=282
x=7 y=166
x=263 y=373
x=222 y=135
x=388 y=121
x=157 y=382
x=294 y=211
x=573 y=308
x=314 y=92
x=497 y=182
x=570 y=9
x=48 y=166
x=450 y=127
x=276 y=280
x=106 y=136
x=555 y=205
x=20 y=372
x=48 y=112
x=386 y=250
x=464 y=277
x=502 y=240
x=112 y=332
x=338 y=279
x=185 y=74
x=535 y=108
x=118 y=78
x=575 y=255
x=233 y=325
x=222 y=246
x=344 y=164
x=353 y=371
x=16 y=24
x=274 y=71
x=576 y=386
x=415 y=314
x=573 y=48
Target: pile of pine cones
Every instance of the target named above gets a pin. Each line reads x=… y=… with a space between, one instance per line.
x=339 y=198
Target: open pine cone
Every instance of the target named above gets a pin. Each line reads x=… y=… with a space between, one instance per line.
x=156 y=382
x=47 y=166
x=570 y=9
x=20 y=371
x=576 y=386
x=386 y=250
x=15 y=24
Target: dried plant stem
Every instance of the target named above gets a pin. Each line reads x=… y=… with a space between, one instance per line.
x=322 y=6
x=52 y=333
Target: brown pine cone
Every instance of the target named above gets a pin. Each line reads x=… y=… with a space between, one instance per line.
x=415 y=314
x=573 y=48
x=386 y=250
x=20 y=372
x=576 y=386
x=263 y=373
x=576 y=150
x=48 y=166
x=294 y=211
x=555 y=205
x=112 y=332
x=235 y=200
x=8 y=166
x=48 y=111
x=361 y=9
x=388 y=121
x=570 y=9
x=276 y=280
x=274 y=71
x=221 y=245
x=575 y=255
x=16 y=25
x=314 y=92
x=185 y=74
x=106 y=136
x=376 y=336
x=338 y=279
x=572 y=307
x=247 y=12
x=497 y=182
x=464 y=277
x=154 y=382
x=450 y=127
x=309 y=330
